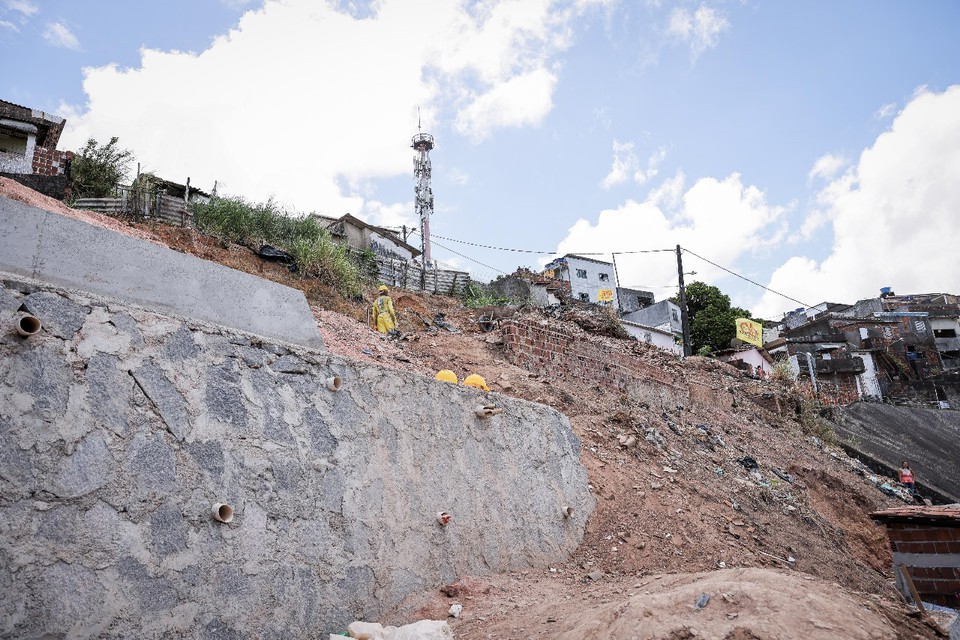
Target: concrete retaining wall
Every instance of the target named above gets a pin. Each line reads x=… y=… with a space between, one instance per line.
x=928 y=438
x=120 y=428
x=76 y=255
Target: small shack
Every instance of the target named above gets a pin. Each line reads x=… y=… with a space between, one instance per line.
x=925 y=541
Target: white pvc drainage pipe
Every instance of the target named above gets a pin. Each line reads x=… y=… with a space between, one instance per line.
x=222 y=512
x=28 y=325
x=334 y=383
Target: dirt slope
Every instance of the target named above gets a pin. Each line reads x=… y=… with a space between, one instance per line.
x=678 y=500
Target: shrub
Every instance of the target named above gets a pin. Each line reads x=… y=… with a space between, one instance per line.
x=96 y=171
x=304 y=237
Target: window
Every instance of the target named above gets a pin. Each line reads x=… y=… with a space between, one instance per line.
x=584 y=296
x=604 y=277
x=944 y=333
x=581 y=273
x=675 y=315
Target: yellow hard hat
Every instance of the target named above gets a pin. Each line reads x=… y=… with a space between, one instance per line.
x=445 y=375
x=473 y=380
x=382 y=288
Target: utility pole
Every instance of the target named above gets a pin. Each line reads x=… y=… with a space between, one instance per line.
x=684 y=319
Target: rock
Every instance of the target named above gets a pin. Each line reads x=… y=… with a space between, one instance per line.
x=422 y=630
x=365 y=630
x=455 y=610
x=595 y=575
x=656 y=485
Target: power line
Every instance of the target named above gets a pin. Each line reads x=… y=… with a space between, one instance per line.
x=576 y=253
x=468 y=257
x=783 y=295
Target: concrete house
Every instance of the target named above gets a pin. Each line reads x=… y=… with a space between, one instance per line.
x=590 y=280
x=664 y=316
x=28 y=149
x=362 y=236
x=660 y=338
x=633 y=299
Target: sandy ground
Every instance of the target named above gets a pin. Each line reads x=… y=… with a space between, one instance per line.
x=788 y=552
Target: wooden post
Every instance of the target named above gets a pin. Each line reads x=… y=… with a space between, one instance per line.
x=905 y=572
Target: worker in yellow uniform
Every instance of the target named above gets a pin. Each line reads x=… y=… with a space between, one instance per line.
x=384 y=317
x=475 y=381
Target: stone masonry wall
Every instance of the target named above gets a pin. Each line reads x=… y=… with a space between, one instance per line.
x=120 y=428
x=558 y=352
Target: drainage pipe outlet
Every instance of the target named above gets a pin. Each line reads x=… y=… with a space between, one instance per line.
x=488 y=410
x=566 y=511
x=28 y=325
x=334 y=383
x=222 y=512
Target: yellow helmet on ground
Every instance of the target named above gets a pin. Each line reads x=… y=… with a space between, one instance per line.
x=445 y=375
x=382 y=289
x=475 y=381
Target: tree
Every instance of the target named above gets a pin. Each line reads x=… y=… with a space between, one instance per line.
x=712 y=319
x=97 y=170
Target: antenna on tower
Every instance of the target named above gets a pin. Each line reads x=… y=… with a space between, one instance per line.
x=423 y=194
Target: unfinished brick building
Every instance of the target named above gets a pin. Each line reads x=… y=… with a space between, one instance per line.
x=28 y=149
x=926 y=540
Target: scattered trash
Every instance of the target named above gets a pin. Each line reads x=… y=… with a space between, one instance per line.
x=785 y=476
x=653 y=436
x=367 y=351
x=702 y=601
x=718 y=471
x=748 y=462
x=272 y=254
x=669 y=470
x=444 y=518
x=440 y=321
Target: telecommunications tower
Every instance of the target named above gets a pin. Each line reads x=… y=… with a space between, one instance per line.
x=423 y=194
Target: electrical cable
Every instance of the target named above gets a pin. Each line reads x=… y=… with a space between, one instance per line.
x=734 y=273
x=576 y=253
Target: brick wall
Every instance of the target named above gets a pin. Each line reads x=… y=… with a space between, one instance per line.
x=56 y=187
x=50 y=162
x=933 y=555
x=563 y=353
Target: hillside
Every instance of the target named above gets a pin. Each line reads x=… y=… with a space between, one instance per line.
x=724 y=486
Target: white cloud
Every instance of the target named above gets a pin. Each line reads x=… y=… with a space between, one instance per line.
x=700 y=30
x=59 y=35
x=9 y=25
x=885 y=111
x=720 y=219
x=626 y=165
x=893 y=216
x=306 y=102
x=25 y=7
x=827 y=166
x=641 y=176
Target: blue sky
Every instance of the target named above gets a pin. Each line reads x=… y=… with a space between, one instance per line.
x=813 y=147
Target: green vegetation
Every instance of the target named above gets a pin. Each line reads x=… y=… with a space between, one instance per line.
x=315 y=253
x=476 y=295
x=97 y=170
x=712 y=325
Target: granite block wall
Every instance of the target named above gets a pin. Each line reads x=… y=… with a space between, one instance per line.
x=120 y=428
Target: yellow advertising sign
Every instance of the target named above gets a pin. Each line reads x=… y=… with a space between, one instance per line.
x=749 y=331
x=605 y=295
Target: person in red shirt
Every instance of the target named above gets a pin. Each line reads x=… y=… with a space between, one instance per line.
x=906 y=477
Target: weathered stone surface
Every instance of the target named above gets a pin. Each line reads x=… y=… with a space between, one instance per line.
x=111 y=461
x=165 y=396
x=86 y=470
x=59 y=316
